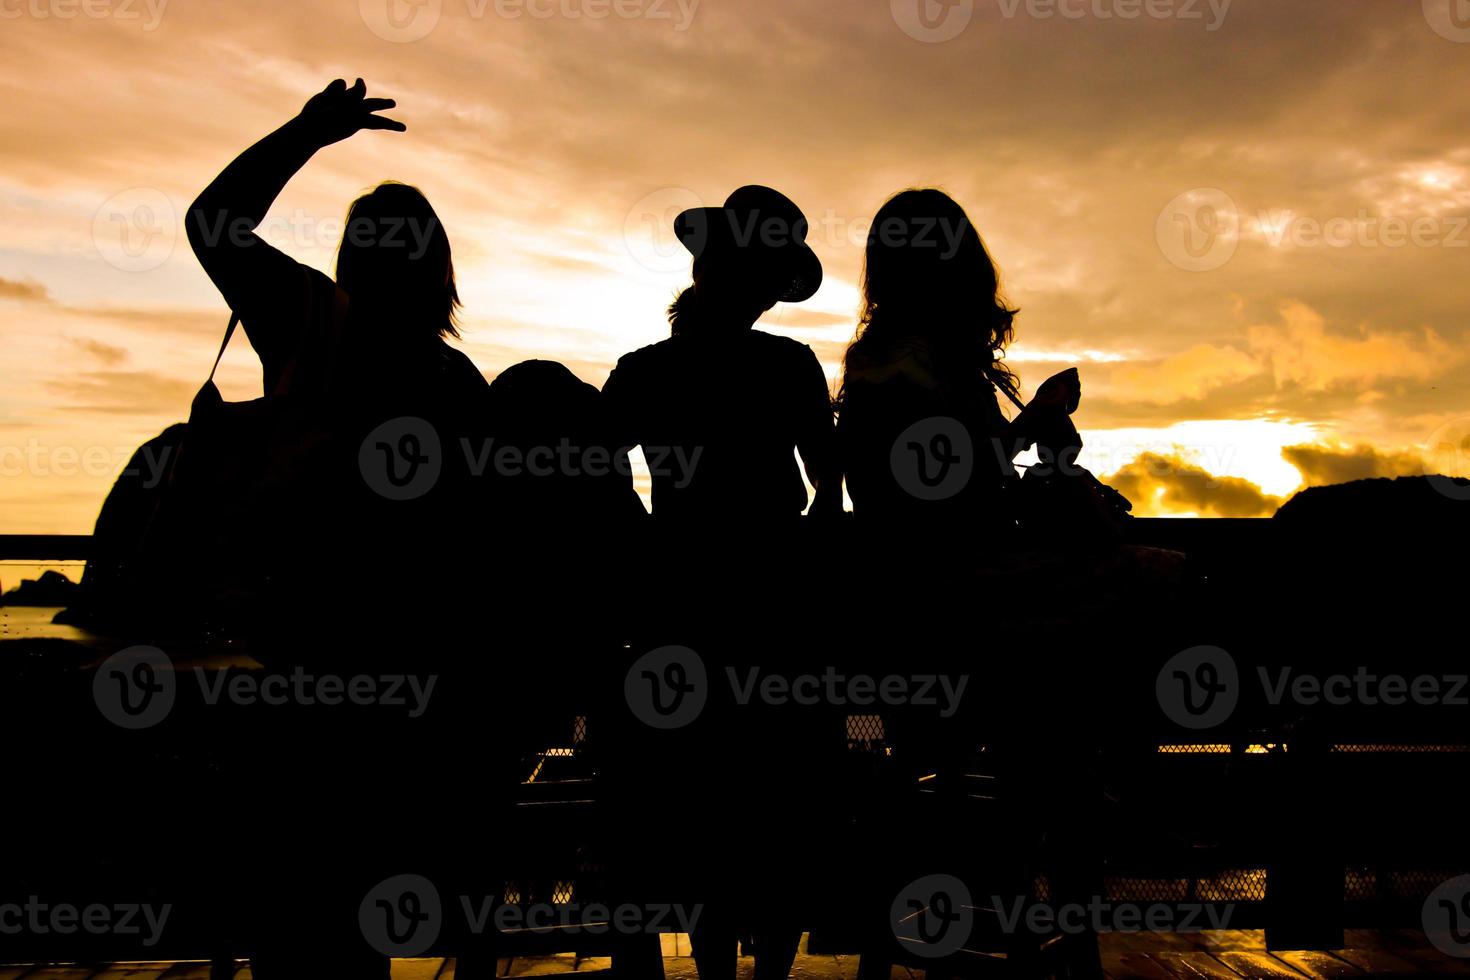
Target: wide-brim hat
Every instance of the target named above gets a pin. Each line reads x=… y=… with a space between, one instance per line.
x=757 y=224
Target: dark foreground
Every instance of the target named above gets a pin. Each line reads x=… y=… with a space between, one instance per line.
x=1225 y=954
x=1301 y=818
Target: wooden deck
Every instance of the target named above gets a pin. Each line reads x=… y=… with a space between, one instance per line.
x=1236 y=954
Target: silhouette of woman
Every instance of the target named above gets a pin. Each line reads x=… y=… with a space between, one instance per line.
x=350 y=354
x=926 y=366
x=395 y=274
x=366 y=348
x=719 y=408
x=925 y=447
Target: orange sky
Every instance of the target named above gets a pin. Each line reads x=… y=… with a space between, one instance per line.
x=1245 y=221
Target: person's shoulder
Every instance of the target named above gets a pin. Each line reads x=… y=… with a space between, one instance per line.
x=648 y=357
x=460 y=368
x=897 y=365
x=773 y=345
x=778 y=341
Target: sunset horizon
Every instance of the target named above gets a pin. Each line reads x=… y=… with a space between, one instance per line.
x=1262 y=288
x=734 y=489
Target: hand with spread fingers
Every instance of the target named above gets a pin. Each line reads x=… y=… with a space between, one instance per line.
x=253 y=275
x=337 y=112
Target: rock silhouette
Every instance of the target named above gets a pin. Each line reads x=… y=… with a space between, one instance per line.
x=51 y=589
x=1405 y=501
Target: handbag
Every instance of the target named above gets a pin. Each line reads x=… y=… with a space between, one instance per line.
x=219 y=518
x=1060 y=501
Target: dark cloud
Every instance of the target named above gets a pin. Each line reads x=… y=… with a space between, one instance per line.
x=24 y=292
x=1159 y=484
x=141 y=393
x=188 y=323
x=1322 y=465
x=109 y=354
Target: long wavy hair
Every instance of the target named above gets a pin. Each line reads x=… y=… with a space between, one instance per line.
x=927 y=275
x=395 y=261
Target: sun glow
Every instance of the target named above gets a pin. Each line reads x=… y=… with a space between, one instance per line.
x=1249 y=449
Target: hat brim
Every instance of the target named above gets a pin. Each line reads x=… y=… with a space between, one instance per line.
x=700 y=228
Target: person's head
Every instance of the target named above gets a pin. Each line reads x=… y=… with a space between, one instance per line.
x=748 y=255
x=927 y=275
x=394 y=260
x=728 y=292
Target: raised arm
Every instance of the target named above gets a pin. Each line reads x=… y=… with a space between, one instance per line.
x=221 y=222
